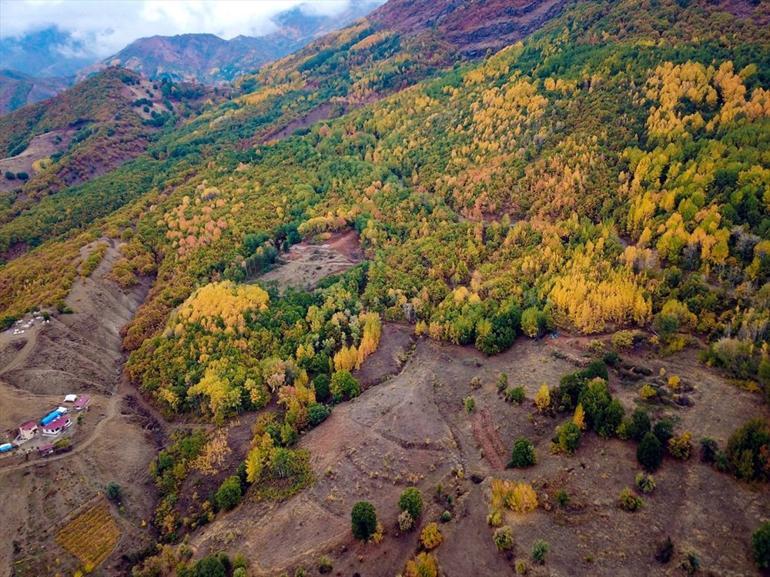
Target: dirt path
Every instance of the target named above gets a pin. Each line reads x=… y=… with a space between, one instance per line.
x=489 y=439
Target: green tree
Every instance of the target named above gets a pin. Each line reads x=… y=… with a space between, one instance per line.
x=523 y=454
x=229 y=493
x=344 y=386
x=649 y=453
x=568 y=437
x=760 y=546
x=363 y=520
x=211 y=566
x=411 y=501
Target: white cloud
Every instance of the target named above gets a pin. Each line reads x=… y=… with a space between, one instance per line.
x=106 y=26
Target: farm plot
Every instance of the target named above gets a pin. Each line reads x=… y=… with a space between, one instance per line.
x=91 y=536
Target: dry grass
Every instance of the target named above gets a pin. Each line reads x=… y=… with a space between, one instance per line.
x=91 y=536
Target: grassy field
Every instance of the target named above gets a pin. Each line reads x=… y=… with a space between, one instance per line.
x=90 y=536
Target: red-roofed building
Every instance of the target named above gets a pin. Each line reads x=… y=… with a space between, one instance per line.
x=82 y=402
x=27 y=430
x=57 y=426
x=44 y=450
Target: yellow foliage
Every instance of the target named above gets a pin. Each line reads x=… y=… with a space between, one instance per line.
x=212 y=457
x=579 y=417
x=423 y=565
x=543 y=398
x=518 y=497
x=431 y=536
x=90 y=536
x=225 y=303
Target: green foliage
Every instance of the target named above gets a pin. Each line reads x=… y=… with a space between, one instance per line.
x=748 y=451
x=515 y=395
x=363 y=520
x=568 y=438
x=317 y=414
x=229 y=493
x=503 y=538
x=523 y=454
x=344 y=386
x=411 y=501
x=649 y=453
x=321 y=384
x=114 y=492
x=539 y=551
x=760 y=546
x=603 y=413
x=639 y=425
x=628 y=501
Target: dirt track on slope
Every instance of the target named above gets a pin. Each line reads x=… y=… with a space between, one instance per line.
x=74 y=353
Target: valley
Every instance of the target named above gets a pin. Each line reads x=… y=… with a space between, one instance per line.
x=448 y=289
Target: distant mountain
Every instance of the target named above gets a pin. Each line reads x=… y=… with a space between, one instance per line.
x=209 y=59
x=18 y=89
x=49 y=52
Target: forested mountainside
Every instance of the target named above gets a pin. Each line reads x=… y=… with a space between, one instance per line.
x=510 y=168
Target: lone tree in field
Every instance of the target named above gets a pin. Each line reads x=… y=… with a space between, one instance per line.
x=649 y=453
x=363 y=520
x=411 y=502
x=523 y=454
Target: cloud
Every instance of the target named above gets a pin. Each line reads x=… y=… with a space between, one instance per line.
x=103 y=27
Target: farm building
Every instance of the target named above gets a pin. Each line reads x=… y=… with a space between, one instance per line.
x=82 y=402
x=57 y=426
x=71 y=398
x=27 y=430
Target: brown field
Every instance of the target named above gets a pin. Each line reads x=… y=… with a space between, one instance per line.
x=307 y=263
x=413 y=430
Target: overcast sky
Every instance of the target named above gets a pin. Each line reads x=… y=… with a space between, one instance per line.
x=106 y=26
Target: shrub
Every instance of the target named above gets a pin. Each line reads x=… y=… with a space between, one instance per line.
x=229 y=493
x=10 y=175
x=411 y=501
x=325 y=565
x=691 y=563
x=665 y=551
x=629 y=501
x=568 y=437
x=645 y=482
x=647 y=392
x=543 y=398
x=649 y=453
x=680 y=446
x=22 y=176
x=470 y=404
x=405 y=521
x=523 y=454
x=114 y=492
x=639 y=425
x=503 y=538
x=709 y=449
x=748 y=451
x=317 y=414
x=344 y=386
x=622 y=340
x=579 y=417
x=423 y=565
x=539 y=551
x=521 y=567
x=663 y=430
x=211 y=566
x=431 y=536
x=674 y=382
x=446 y=517
x=321 y=385
x=502 y=382
x=363 y=520
x=603 y=413
x=515 y=395
x=760 y=546
x=518 y=497
x=534 y=322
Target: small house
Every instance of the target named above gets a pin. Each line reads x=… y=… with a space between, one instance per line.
x=44 y=450
x=71 y=398
x=57 y=426
x=82 y=402
x=27 y=430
